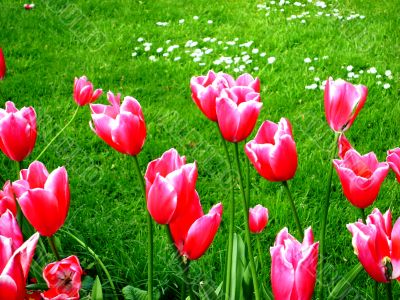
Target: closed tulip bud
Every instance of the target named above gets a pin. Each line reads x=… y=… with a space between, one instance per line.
x=120 y=126
x=258 y=218
x=7 y=200
x=361 y=177
x=343 y=101
x=44 y=198
x=14 y=273
x=2 y=65
x=343 y=145
x=294 y=266
x=193 y=231
x=63 y=279
x=83 y=91
x=393 y=160
x=377 y=245
x=170 y=186
x=237 y=112
x=17 y=131
x=273 y=151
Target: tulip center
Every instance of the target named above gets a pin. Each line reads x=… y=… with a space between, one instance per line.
x=65 y=281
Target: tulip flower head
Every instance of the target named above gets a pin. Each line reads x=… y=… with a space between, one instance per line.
x=361 y=177
x=377 y=245
x=120 y=126
x=343 y=145
x=44 y=198
x=63 y=279
x=273 y=151
x=7 y=200
x=83 y=91
x=14 y=266
x=2 y=65
x=29 y=6
x=294 y=266
x=237 y=112
x=206 y=89
x=17 y=131
x=193 y=231
x=393 y=160
x=343 y=101
x=258 y=218
x=170 y=186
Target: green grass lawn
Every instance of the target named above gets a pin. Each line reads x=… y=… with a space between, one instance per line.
x=47 y=47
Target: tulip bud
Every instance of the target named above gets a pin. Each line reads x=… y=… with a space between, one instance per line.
x=83 y=91
x=258 y=218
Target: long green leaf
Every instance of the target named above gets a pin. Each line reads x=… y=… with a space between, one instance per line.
x=342 y=287
x=132 y=293
x=97 y=291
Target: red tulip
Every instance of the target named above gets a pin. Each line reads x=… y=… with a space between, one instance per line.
x=377 y=245
x=2 y=65
x=170 y=186
x=83 y=91
x=63 y=279
x=343 y=101
x=258 y=218
x=17 y=131
x=237 y=112
x=192 y=231
x=273 y=151
x=393 y=160
x=206 y=89
x=120 y=126
x=11 y=236
x=361 y=177
x=7 y=200
x=44 y=198
x=294 y=266
x=343 y=145
x=29 y=6
x=14 y=273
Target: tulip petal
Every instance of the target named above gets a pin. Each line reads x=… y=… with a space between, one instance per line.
x=395 y=253
x=282 y=274
x=162 y=200
x=9 y=228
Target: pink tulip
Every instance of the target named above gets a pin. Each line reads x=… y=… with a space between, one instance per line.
x=206 y=89
x=29 y=6
x=14 y=273
x=393 y=160
x=343 y=101
x=63 y=279
x=7 y=200
x=377 y=245
x=343 y=145
x=237 y=112
x=10 y=231
x=83 y=91
x=44 y=198
x=258 y=218
x=17 y=131
x=192 y=231
x=2 y=65
x=294 y=266
x=170 y=186
x=120 y=126
x=273 y=151
x=361 y=177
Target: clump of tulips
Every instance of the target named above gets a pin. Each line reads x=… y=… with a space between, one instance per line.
x=170 y=197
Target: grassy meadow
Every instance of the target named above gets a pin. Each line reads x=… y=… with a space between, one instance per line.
x=150 y=50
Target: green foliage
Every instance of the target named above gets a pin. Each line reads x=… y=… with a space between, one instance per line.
x=97 y=291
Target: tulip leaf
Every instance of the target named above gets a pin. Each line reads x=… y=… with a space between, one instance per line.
x=343 y=286
x=97 y=291
x=132 y=293
x=207 y=292
x=238 y=266
x=87 y=283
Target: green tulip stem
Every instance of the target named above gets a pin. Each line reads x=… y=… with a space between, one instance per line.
x=246 y=224
x=57 y=135
x=53 y=247
x=260 y=259
x=389 y=291
x=324 y=218
x=20 y=216
x=362 y=210
x=185 y=264
x=376 y=295
x=150 y=231
x=231 y=222
x=97 y=258
x=294 y=210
